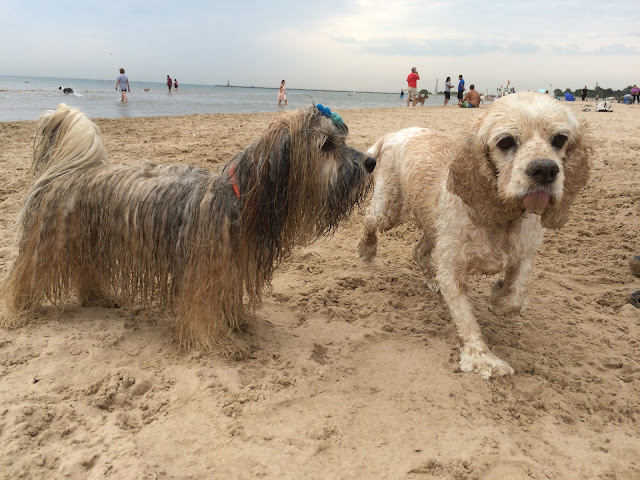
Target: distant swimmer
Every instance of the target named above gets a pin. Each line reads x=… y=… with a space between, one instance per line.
x=66 y=89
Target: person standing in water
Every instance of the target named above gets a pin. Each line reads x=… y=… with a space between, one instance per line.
x=282 y=94
x=122 y=83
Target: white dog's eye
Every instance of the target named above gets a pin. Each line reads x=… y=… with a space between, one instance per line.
x=506 y=143
x=559 y=140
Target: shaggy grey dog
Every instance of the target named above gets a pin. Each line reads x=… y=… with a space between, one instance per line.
x=176 y=236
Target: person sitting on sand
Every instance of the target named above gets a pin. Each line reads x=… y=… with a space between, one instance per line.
x=471 y=99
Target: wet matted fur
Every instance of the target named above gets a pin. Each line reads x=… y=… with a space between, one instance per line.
x=202 y=244
x=481 y=201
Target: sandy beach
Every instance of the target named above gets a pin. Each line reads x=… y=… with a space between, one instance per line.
x=353 y=367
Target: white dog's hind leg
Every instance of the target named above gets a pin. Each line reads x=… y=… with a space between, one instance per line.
x=475 y=356
x=422 y=256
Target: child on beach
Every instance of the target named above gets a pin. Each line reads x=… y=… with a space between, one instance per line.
x=122 y=82
x=282 y=94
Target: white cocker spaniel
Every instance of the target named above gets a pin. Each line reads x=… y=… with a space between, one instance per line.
x=482 y=202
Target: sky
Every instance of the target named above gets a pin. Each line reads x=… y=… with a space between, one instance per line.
x=360 y=45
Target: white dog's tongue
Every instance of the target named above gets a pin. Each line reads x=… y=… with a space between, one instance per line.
x=536 y=202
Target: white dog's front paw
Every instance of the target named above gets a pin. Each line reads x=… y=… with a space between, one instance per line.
x=484 y=363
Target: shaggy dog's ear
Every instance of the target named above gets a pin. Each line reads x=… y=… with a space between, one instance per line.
x=576 y=173
x=472 y=178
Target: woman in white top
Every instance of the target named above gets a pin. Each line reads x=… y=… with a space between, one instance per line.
x=447 y=90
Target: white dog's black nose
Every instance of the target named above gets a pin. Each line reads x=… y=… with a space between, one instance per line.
x=543 y=171
x=370 y=164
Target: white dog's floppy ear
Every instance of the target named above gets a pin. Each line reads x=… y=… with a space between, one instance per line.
x=576 y=174
x=473 y=178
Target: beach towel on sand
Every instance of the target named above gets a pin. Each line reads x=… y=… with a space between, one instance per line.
x=604 y=106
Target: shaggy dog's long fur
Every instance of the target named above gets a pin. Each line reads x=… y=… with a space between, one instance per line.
x=174 y=235
x=481 y=201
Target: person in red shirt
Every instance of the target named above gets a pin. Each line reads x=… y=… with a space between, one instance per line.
x=412 y=82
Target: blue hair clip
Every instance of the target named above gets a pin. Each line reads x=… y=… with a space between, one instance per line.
x=326 y=112
x=337 y=119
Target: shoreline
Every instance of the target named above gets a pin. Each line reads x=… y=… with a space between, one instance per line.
x=576 y=106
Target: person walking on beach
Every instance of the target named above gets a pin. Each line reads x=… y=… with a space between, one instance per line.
x=585 y=92
x=412 y=83
x=635 y=91
x=122 y=84
x=175 y=83
x=447 y=90
x=461 y=89
x=282 y=94
x=169 y=83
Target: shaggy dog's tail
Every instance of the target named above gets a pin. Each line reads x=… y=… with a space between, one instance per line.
x=65 y=140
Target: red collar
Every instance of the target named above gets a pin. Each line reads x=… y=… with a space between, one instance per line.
x=234 y=180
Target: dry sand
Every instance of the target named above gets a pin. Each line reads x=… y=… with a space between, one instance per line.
x=353 y=371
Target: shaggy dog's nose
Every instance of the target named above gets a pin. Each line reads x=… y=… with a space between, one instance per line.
x=543 y=171
x=370 y=164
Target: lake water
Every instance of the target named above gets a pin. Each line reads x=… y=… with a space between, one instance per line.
x=25 y=98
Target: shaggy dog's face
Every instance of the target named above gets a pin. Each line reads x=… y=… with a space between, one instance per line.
x=331 y=141
x=343 y=170
x=527 y=139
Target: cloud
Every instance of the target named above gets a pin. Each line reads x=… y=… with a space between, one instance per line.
x=604 y=50
x=437 y=47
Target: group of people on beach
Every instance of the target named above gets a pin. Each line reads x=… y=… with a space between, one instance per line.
x=122 y=85
x=469 y=100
